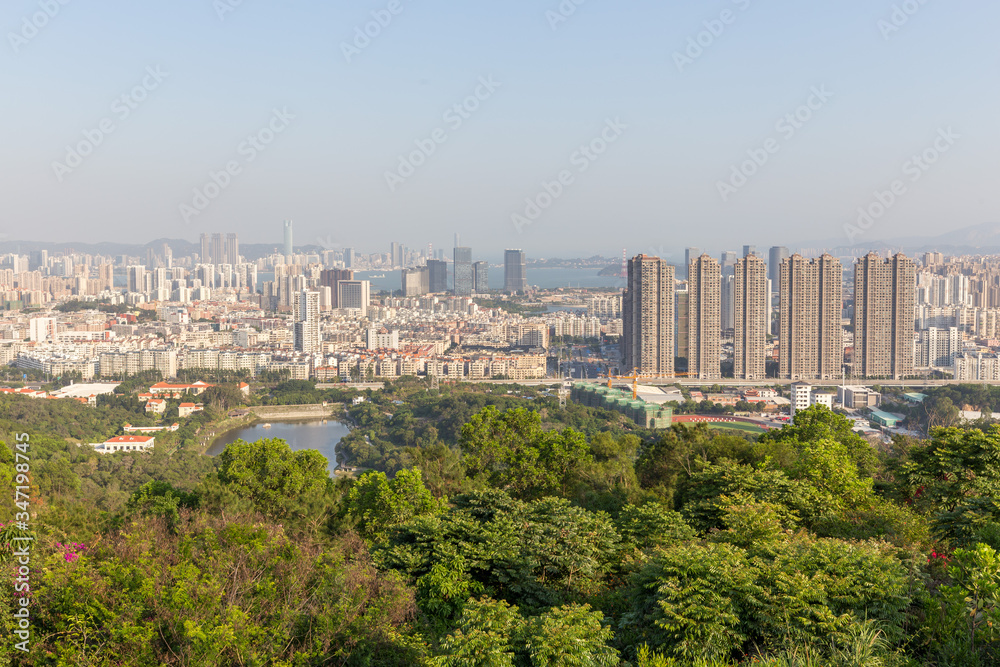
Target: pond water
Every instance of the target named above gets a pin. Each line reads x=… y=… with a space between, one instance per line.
x=321 y=435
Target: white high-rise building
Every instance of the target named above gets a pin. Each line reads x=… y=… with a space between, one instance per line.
x=305 y=315
x=41 y=328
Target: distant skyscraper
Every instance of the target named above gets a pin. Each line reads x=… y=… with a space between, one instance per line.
x=811 y=340
x=776 y=256
x=884 y=313
x=349 y=258
x=331 y=278
x=749 y=250
x=305 y=315
x=106 y=274
x=136 y=278
x=753 y=314
x=463 y=271
x=437 y=276
x=396 y=252
x=515 y=280
x=289 y=248
x=232 y=254
x=727 y=262
x=415 y=281
x=727 y=303
x=704 y=309
x=648 y=317
x=481 y=277
x=206 y=249
x=681 y=322
x=354 y=294
x=218 y=254
x=690 y=254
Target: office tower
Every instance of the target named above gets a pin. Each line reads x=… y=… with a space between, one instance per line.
x=458 y=241
x=218 y=251
x=648 y=317
x=690 y=254
x=776 y=256
x=232 y=251
x=136 y=278
x=206 y=249
x=753 y=314
x=727 y=303
x=681 y=322
x=331 y=278
x=37 y=259
x=354 y=294
x=289 y=248
x=305 y=315
x=481 y=277
x=811 y=338
x=463 y=271
x=727 y=262
x=396 y=254
x=515 y=278
x=749 y=250
x=348 y=258
x=884 y=313
x=437 y=276
x=704 y=310
x=415 y=281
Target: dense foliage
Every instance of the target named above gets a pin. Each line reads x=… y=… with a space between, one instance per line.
x=495 y=528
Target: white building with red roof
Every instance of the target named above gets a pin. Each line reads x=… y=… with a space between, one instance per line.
x=126 y=443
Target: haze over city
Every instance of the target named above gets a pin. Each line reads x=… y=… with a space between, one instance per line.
x=647 y=125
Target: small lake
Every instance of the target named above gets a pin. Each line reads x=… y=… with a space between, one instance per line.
x=322 y=436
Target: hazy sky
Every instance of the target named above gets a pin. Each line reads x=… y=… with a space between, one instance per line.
x=200 y=76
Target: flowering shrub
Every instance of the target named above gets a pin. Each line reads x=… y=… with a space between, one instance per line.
x=71 y=551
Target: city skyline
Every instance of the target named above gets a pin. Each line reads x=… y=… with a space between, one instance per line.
x=241 y=126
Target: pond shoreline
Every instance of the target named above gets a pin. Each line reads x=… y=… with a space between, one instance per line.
x=320 y=433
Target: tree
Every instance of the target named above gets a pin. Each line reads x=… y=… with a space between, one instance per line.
x=571 y=635
x=955 y=466
x=223 y=397
x=272 y=476
x=379 y=504
x=818 y=423
x=486 y=636
x=511 y=451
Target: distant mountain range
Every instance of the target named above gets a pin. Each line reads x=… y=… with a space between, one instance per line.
x=975 y=239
